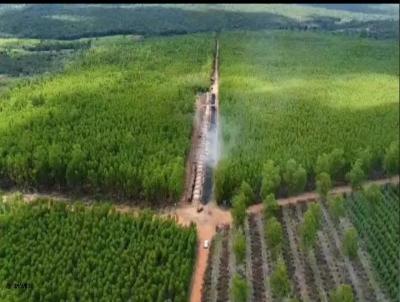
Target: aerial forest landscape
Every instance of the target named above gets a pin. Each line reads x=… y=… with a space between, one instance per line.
x=199 y=152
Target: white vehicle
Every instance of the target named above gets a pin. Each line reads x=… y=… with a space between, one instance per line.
x=206 y=244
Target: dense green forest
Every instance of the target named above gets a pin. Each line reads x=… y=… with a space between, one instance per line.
x=118 y=121
x=60 y=21
x=286 y=95
x=53 y=252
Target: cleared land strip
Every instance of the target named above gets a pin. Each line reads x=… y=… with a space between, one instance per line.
x=299 y=272
x=312 y=260
x=257 y=261
x=266 y=258
x=224 y=274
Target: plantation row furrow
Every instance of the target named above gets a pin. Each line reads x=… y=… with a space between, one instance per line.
x=352 y=274
x=287 y=256
x=224 y=274
x=299 y=271
x=248 y=259
x=266 y=256
x=325 y=255
x=316 y=269
x=256 y=261
x=209 y=282
x=309 y=276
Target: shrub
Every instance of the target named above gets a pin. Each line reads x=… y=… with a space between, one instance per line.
x=332 y=163
x=323 y=184
x=271 y=206
x=295 y=177
x=246 y=190
x=271 y=178
x=343 y=293
x=280 y=285
x=350 y=242
x=356 y=174
x=239 y=289
x=239 y=246
x=310 y=225
x=373 y=194
x=273 y=233
x=238 y=210
x=336 y=207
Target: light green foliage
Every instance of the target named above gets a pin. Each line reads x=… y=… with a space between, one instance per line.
x=270 y=206
x=343 y=293
x=336 y=207
x=238 y=209
x=350 y=242
x=246 y=190
x=373 y=194
x=273 y=233
x=271 y=178
x=74 y=249
x=239 y=246
x=324 y=184
x=310 y=225
x=391 y=159
x=239 y=289
x=280 y=284
x=315 y=208
x=117 y=121
x=356 y=175
x=294 y=176
x=298 y=95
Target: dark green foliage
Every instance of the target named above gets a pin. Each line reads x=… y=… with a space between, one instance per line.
x=94 y=254
x=324 y=184
x=356 y=175
x=350 y=242
x=377 y=223
x=280 y=285
x=271 y=179
x=391 y=159
x=294 y=176
x=299 y=95
x=238 y=210
x=117 y=122
x=332 y=163
x=343 y=293
x=239 y=289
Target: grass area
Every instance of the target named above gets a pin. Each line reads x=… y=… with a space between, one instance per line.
x=77 y=253
x=118 y=120
x=293 y=95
